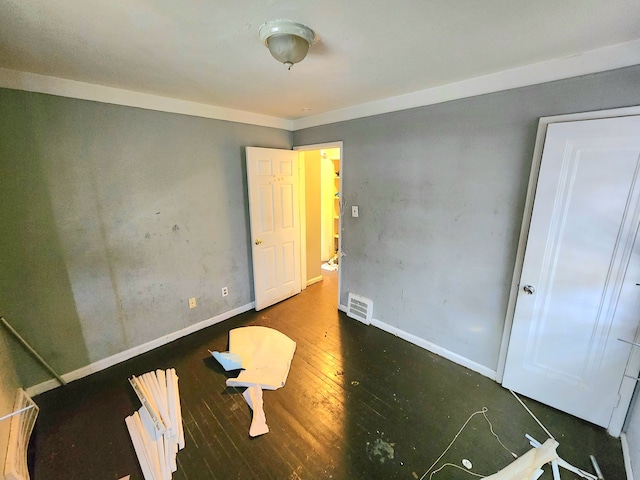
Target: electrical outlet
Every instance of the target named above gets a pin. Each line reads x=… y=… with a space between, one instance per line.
x=354 y=211
x=192 y=302
x=225 y=291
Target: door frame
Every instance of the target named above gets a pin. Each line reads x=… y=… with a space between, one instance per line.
x=303 y=223
x=619 y=414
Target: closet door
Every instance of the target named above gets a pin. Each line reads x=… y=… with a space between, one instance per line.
x=578 y=291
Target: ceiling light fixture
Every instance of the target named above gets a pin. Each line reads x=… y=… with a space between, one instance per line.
x=287 y=41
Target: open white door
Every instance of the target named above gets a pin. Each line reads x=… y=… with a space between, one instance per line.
x=578 y=290
x=274 y=211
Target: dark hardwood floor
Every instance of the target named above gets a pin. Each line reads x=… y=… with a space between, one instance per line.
x=359 y=403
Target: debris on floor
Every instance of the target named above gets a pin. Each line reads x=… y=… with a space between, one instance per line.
x=22 y=421
x=265 y=356
x=528 y=465
x=559 y=462
x=156 y=429
x=380 y=451
x=229 y=361
x=525 y=467
x=253 y=396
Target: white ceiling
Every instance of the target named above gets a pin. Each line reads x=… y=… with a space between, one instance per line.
x=208 y=51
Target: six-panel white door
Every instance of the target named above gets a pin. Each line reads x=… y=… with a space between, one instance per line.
x=273 y=183
x=578 y=291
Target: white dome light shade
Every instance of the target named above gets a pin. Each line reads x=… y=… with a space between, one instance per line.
x=287 y=41
x=288 y=49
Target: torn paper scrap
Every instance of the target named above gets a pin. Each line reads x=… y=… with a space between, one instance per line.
x=266 y=357
x=228 y=360
x=253 y=396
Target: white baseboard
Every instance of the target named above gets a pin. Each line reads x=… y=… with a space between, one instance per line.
x=135 y=351
x=433 y=348
x=314 y=280
x=626 y=455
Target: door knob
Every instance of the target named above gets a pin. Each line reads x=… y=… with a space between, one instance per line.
x=528 y=289
x=258 y=241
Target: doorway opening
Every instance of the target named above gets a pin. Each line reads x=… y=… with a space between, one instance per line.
x=321 y=211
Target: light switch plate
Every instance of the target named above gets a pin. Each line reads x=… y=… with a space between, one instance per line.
x=354 y=211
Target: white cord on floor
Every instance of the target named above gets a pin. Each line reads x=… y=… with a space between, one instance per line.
x=458 y=467
x=484 y=414
x=532 y=415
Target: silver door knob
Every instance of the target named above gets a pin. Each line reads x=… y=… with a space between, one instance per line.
x=529 y=289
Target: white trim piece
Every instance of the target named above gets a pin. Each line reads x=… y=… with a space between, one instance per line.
x=593 y=61
x=626 y=455
x=314 y=280
x=433 y=348
x=526 y=218
x=320 y=146
x=33 y=82
x=302 y=192
x=135 y=351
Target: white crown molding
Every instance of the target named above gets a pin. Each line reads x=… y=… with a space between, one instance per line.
x=594 y=61
x=33 y=82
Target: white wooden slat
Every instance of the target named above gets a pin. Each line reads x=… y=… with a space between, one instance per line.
x=181 y=442
x=150 y=437
x=147 y=401
x=161 y=381
x=138 y=446
x=151 y=381
x=174 y=421
x=157 y=448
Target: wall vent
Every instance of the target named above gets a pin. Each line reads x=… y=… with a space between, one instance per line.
x=360 y=308
x=22 y=422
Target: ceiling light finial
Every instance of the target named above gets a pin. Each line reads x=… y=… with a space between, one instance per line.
x=287 y=41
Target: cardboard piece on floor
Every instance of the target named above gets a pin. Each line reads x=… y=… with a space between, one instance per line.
x=526 y=466
x=253 y=396
x=266 y=357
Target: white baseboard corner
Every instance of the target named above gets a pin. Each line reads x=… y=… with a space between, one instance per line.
x=135 y=351
x=626 y=455
x=433 y=348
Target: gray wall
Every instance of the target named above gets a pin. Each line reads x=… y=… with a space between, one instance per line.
x=441 y=191
x=112 y=218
